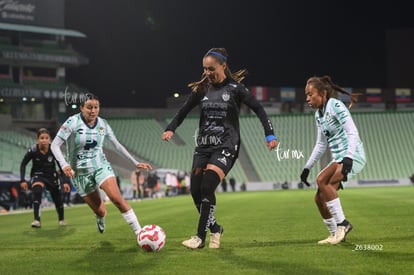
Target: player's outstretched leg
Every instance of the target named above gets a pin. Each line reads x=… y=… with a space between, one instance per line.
x=100 y=224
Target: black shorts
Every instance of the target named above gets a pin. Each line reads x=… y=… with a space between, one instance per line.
x=51 y=184
x=222 y=158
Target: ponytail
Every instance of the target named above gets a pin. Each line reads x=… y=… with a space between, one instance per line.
x=325 y=83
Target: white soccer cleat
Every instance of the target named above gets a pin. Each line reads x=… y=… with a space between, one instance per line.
x=194 y=242
x=341 y=232
x=36 y=224
x=62 y=223
x=215 y=238
x=327 y=240
x=100 y=224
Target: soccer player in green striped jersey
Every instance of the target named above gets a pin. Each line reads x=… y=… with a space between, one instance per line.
x=84 y=134
x=336 y=131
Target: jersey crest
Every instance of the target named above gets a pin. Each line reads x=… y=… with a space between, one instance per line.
x=226 y=96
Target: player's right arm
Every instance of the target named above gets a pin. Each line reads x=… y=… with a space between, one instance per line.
x=193 y=100
x=27 y=157
x=62 y=135
x=318 y=150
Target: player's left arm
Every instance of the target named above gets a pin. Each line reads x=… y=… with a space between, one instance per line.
x=120 y=148
x=248 y=99
x=352 y=135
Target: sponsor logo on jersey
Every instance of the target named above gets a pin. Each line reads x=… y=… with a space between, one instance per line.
x=204 y=98
x=90 y=144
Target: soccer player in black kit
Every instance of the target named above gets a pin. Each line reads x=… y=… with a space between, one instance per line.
x=219 y=94
x=43 y=174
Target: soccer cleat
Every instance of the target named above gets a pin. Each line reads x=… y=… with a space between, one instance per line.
x=62 y=223
x=194 y=242
x=36 y=224
x=327 y=240
x=100 y=224
x=215 y=238
x=341 y=231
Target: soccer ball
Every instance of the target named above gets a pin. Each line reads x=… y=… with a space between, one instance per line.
x=151 y=238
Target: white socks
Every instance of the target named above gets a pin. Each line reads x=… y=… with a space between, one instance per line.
x=335 y=208
x=331 y=225
x=132 y=220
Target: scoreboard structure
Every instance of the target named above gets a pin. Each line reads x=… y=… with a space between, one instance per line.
x=34 y=56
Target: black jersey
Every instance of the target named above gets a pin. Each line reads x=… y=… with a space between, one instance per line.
x=43 y=165
x=219 y=119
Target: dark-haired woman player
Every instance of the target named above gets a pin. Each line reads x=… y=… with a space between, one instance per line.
x=43 y=175
x=85 y=134
x=219 y=93
x=336 y=130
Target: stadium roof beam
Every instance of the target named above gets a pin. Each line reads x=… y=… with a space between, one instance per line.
x=37 y=29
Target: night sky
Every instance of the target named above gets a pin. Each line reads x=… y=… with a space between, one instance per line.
x=141 y=52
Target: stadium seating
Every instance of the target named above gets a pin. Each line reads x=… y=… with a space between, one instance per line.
x=388 y=145
x=387 y=138
x=11 y=156
x=15 y=138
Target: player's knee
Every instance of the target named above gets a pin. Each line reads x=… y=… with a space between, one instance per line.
x=322 y=181
x=209 y=184
x=317 y=197
x=196 y=179
x=37 y=193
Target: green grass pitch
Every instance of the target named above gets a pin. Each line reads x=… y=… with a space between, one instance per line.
x=267 y=232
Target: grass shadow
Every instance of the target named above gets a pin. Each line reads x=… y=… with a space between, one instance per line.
x=50 y=233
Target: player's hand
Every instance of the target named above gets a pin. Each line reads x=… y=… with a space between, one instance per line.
x=272 y=144
x=144 y=165
x=68 y=171
x=304 y=176
x=24 y=186
x=346 y=166
x=66 y=187
x=167 y=135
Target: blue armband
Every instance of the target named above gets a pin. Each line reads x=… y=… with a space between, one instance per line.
x=269 y=138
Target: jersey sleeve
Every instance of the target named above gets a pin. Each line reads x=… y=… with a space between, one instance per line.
x=67 y=128
x=192 y=101
x=319 y=148
x=62 y=135
x=248 y=99
x=57 y=152
x=344 y=117
x=118 y=146
x=27 y=157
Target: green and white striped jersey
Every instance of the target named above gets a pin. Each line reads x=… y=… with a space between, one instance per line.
x=336 y=130
x=84 y=144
